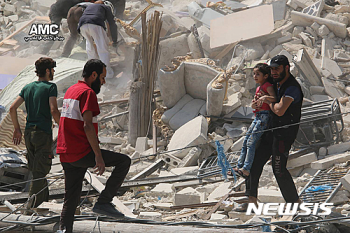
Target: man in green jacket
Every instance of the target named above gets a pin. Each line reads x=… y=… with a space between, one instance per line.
x=41 y=105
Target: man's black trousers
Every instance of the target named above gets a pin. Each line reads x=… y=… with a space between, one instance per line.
x=74 y=176
x=278 y=147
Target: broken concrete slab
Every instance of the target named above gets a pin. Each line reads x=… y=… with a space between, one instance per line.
x=220 y=191
x=187 y=196
x=237 y=145
x=270 y=196
x=308 y=68
x=330 y=161
x=233 y=102
x=345 y=181
x=300 y=19
x=323 y=31
x=314 y=9
x=329 y=65
x=332 y=89
x=191 y=158
x=340 y=198
x=317 y=98
x=279 y=9
x=163 y=189
x=192 y=133
x=306 y=39
x=204 y=15
x=247 y=26
x=302 y=160
x=141 y=144
x=317 y=90
x=338 y=148
x=241 y=215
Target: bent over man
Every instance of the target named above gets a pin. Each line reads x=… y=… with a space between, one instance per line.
x=78 y=146
x=41 y=105
x=286 y=111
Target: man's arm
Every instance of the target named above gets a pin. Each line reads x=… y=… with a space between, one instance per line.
x=54 y=110
x=280 y=108
x=17 y=134
x=92 y=138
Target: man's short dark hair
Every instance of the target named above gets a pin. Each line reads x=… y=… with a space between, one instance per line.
x=91 y=66
x=42 y=64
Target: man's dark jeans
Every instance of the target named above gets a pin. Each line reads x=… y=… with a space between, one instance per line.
x=279 y=148
x=74 y=176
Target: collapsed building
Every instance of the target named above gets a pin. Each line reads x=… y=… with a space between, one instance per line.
x=202 y=94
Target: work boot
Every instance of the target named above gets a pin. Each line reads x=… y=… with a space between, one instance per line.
x=107 y=209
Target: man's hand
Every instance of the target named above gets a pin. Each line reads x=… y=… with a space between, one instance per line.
x=100 y=165
x=17 y=136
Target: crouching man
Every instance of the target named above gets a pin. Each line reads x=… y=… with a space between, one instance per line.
x=78 y=146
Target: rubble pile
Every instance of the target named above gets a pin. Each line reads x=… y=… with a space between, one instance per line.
x=204 y=90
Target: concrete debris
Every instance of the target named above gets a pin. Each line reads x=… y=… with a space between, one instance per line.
x=198 y=100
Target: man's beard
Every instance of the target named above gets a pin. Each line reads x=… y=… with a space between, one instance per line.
x=51 y=76
x=96 y=85
x=281 y=77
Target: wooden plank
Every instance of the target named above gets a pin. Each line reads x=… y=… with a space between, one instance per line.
x=10 y=42
x=99 y=187
x=224 y=32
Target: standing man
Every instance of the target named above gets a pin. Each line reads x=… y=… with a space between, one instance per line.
x=92 y=28
x=78 y=146
x=286 y=111
x=41 y=105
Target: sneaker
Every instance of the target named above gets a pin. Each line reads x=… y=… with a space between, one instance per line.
x=107 y=209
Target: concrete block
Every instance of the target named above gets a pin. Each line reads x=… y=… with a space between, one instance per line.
x=151 y=216
x=141 y=144
x=329 y=65
x=232 y=103
x=308 y=68
x=276 y=51
x=311 y=32
x=9 y=9
x=162 y=189
x=270 y=196
x=332 y=89
x=292 y=4
x=171 y=160
x=297 y=30
x=322 y=152
x=284 y=39
x=315 y=26
x=317 y=98
x=13 y=18
x=317 y=90
x=330 y=161
x=220 y=191
x=345 y=181
x=295 y=172
x=187 y=196
x=347 y=90
x=338 y=148
x=192 y=133
x=237 y=145
x=340 y=198
x=218 y=216
x=191 y=158
x=302 y=160
x=306 y=40
x=323 y=31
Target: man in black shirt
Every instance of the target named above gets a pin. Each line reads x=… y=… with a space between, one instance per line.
x=92 y=28
x=286 y=111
